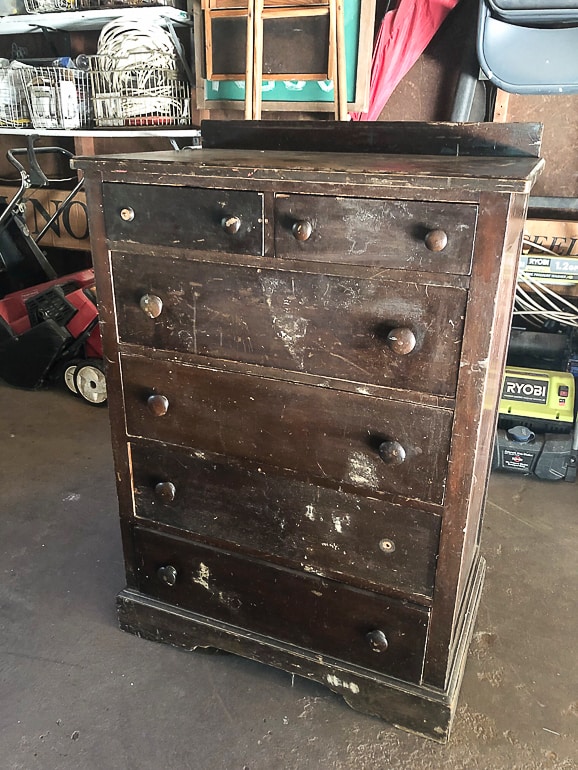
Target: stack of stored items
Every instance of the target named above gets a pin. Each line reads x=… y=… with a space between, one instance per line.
x=137 y=77
x=13 y=105
x=46 y=94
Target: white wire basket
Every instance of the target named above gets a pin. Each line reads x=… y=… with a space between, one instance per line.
x=14 y=110
x=129 y=91
x=49 y=6
x=58 y=97
x=90 y=4
x=54 y=6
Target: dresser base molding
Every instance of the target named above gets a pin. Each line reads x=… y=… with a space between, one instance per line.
x=421 y=710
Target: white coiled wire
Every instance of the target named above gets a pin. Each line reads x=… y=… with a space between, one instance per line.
x=141 y=65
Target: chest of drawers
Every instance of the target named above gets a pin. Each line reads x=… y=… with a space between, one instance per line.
x=304 y=355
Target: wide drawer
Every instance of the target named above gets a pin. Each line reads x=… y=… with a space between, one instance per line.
x=301 y=525
x=193 y=218
x=352 y=439
x=322 y=324
x=322 y=615
x=412 y=235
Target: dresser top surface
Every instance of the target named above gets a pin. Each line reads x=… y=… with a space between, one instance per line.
x=500 y=174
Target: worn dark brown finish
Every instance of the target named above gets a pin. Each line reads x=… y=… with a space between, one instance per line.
x=195 y=218
x=319 y=323
x=361 y=231
x=323 y=434
x=366 y=542
x=334 y=619
x=407 y=138
x=308 y=489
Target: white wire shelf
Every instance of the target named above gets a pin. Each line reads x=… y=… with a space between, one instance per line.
x=80 y=21
x=103 y=132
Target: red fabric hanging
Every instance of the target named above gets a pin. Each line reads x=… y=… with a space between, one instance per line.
x=403 y=36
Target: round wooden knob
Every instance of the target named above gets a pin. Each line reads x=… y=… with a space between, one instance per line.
x=392 y=452
x=158 y=405
x=127 y=214
x=401 y=341
x=167 y=574
x=377 y=641
x=151 y=305
x=165 y=491
x=231 y=225
x=436 y=240
x=302 y=230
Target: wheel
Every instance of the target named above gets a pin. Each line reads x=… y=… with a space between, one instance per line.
x=67 y=376
x=62 y=375
x=90 y=382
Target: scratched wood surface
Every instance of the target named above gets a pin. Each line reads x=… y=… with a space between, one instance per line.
x=369 y=543
x=252 y=169
x=362 y=231
x=281 y=395
x=315 y=612
x=190 y=216
x=408 y=137
x=323 y=434
x=315 y=323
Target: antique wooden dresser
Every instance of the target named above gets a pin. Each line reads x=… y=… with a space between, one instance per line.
x=304 y=357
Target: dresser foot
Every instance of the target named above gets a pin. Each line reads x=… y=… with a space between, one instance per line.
x=418 y=709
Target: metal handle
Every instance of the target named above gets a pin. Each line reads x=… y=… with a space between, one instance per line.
x=158 y=405
x=127 y=214
x=377 y=640
x=165 y=491
x=167 y=574
x=151 y=305
x=302 y=230
x=401 y=340
x=231 y=225
x=436 y=240
x=392 y=452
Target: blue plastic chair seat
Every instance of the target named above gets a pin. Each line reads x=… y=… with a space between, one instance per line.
x=526 y=59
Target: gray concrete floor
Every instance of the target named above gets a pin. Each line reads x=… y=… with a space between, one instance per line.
x=78 y=694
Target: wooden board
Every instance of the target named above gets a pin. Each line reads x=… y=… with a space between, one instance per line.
x=70 y=232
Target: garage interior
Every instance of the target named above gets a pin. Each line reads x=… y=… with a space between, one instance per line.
x=79 y=693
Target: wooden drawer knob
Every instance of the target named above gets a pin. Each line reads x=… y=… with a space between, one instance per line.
x=392 y=452
x=302 y=230
x=165 y=491
x=436 y=240
x=387 y=545
x=231 y=225
x=127 y=214
x=377 y=641
x=158 y=405
x=401 y=341
x=151 y=305
x=167 y=574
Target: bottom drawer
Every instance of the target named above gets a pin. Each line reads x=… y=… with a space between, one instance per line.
x=321 y=615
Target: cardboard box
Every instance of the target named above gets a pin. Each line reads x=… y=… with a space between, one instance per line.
x=559 y=236
x=550 y=251
x=68 y=232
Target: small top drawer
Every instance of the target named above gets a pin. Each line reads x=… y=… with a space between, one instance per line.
x=412 y=235
x=194 y=218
